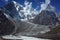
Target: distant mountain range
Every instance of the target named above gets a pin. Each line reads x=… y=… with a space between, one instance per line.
x=18 y=11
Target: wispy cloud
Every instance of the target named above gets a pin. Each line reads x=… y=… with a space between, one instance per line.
x=44 y=5
x=47 y=1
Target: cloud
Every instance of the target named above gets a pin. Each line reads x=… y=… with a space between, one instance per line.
x=47 y=1
x=44 y=5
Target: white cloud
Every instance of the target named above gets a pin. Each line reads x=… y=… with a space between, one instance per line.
x=45 y=4
x=47 y=1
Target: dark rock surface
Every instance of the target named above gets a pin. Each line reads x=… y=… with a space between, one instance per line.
x=46 y=18
x=6 y=26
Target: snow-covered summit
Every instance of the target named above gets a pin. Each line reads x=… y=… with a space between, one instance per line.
x=18 y=11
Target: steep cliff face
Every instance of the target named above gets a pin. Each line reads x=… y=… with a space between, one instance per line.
x=6 y=26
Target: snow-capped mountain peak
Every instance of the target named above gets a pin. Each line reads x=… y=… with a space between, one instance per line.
x=17 y=5
x=12 y=9
x=18 y=11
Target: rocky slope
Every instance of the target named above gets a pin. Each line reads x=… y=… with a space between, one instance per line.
x=53 y=34
x=46 y=18
x=6 y=26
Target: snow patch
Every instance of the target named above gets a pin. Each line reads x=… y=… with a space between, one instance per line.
x=22 y=37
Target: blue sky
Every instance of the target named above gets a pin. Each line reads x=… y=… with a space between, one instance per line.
x=55 y=3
